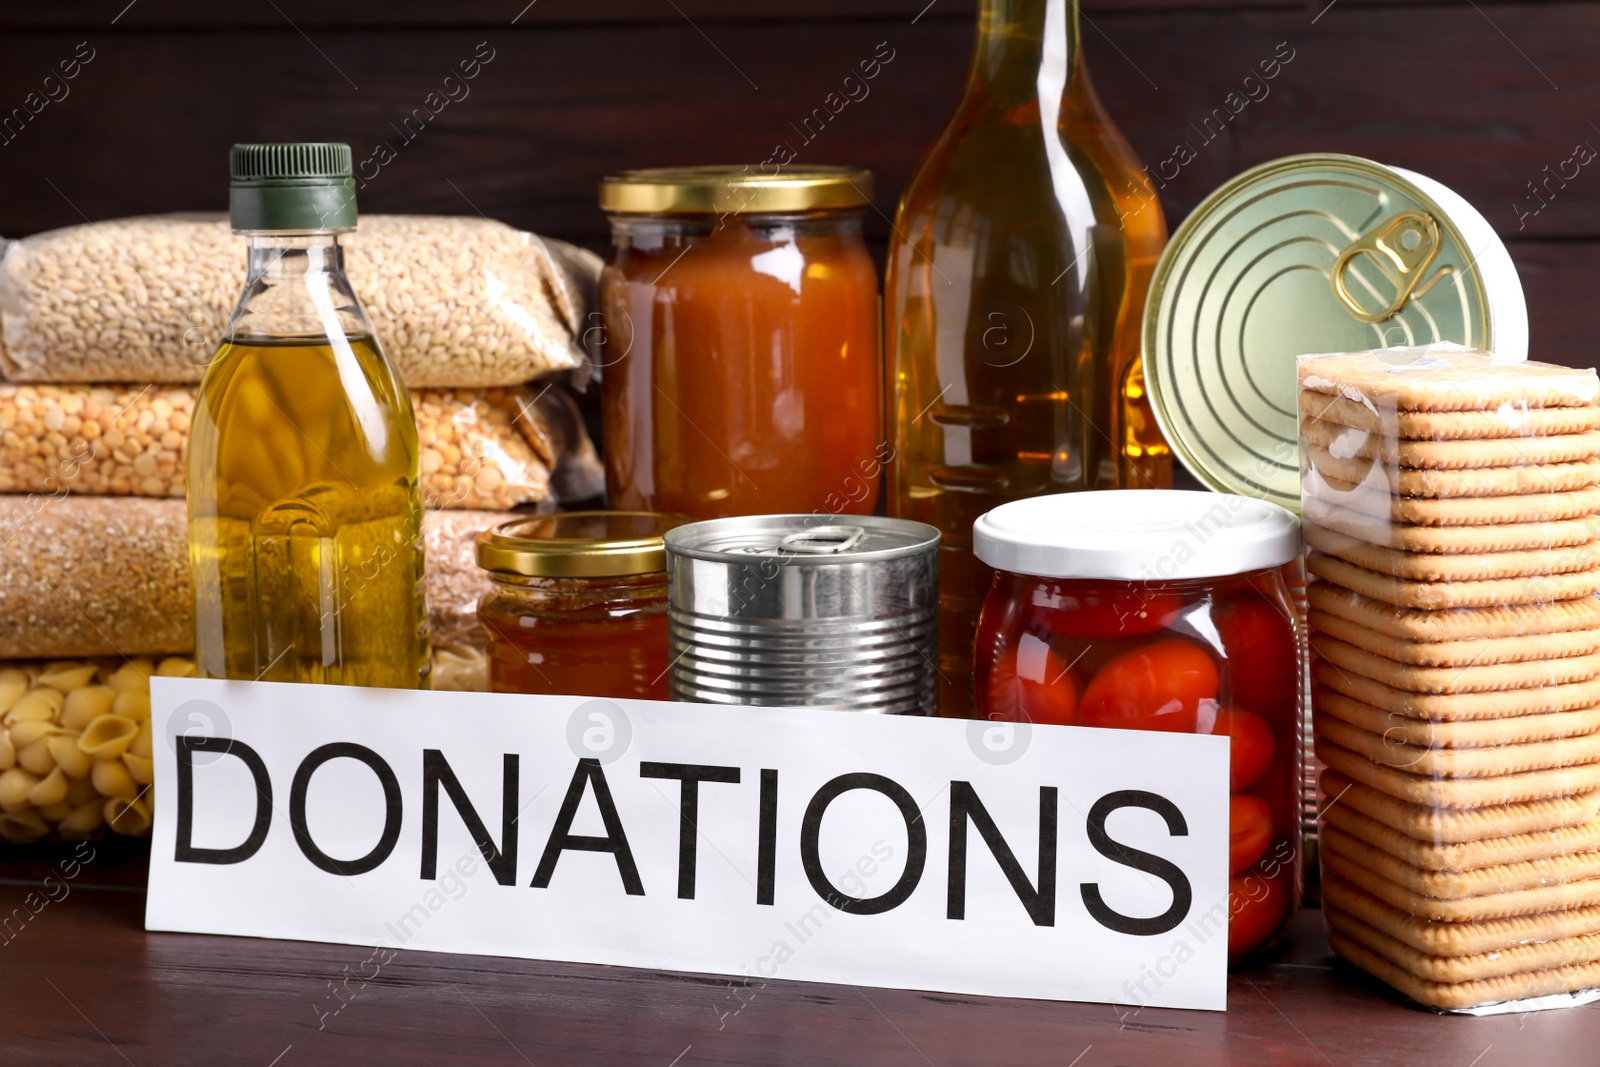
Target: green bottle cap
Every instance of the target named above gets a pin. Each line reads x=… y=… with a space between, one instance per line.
x=304 y=186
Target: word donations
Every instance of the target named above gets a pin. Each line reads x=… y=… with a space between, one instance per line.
x=967 y=857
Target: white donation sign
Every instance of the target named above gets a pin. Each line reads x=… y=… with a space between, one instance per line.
x=974 y=857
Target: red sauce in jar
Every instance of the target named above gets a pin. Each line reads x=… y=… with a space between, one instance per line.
x=741 y=371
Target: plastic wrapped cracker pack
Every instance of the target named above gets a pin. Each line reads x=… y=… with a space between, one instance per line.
x=1450 y=502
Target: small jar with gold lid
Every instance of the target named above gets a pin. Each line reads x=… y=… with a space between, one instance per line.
x=741 y=371
x=579 y=604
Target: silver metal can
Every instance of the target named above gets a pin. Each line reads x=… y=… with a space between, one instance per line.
x=805 y=611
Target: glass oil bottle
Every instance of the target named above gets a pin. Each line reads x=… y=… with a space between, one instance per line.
x=1017 y=276
x=305 y=514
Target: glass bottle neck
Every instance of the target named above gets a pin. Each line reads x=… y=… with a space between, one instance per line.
x=1026 y=48
x=279 y=256
x=297 y=288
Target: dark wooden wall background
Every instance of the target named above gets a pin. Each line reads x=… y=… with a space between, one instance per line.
x=1484 y=96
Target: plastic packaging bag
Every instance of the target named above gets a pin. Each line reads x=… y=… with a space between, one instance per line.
x=579 y=474
x=1450 y=501
x=473 y=454
x=462 y=670
x=454 y=301
x=455 y=581
x=109 y=576
x=476 y=445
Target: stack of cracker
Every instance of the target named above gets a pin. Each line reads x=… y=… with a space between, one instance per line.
x=1450 y=505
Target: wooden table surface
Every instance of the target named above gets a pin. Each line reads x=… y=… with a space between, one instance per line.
x=82 y=983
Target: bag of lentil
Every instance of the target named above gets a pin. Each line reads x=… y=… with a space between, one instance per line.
x=484 y=449
x=454 y=301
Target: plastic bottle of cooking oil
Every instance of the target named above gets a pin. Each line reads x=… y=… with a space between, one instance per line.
x=305 y=516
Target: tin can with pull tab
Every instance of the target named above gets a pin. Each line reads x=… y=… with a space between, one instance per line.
x=1314 y=253
x=804 y=611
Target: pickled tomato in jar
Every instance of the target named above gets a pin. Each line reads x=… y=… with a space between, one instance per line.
x=1161 y=610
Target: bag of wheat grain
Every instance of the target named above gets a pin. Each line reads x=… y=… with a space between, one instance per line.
x=109 y=576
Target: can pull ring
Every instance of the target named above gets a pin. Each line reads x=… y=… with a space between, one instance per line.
x=1402 y=246
x=822 y=541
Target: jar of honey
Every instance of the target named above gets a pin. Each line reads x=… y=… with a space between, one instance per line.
x=1161 y=610
x=740 y=366
x=579 y=604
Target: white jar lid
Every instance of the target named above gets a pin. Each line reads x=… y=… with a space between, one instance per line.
x=1138 y=535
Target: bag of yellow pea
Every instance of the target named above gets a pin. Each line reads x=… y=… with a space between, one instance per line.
x=483 y=449
x=486 y=449
x=454 y=301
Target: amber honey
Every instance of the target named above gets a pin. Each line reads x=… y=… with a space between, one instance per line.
x=579 y=605
x=578 y=636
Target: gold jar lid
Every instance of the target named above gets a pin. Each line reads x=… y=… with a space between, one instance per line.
x=734 y=190
x=578 y=544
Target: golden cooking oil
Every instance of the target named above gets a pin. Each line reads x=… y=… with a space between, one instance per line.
x=305 y=514
x=1017 y=275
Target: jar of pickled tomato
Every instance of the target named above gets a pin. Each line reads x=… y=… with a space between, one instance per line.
x=1161 y=610
x=579 y=604
x=741 y=372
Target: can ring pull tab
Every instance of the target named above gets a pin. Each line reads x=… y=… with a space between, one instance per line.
x=1403 y=247
x=822 y=541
